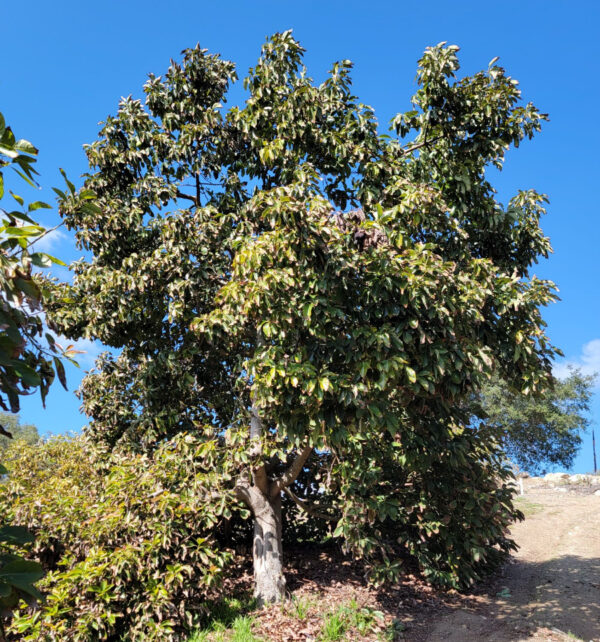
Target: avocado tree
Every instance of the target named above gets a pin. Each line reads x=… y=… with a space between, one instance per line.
x=316 y=298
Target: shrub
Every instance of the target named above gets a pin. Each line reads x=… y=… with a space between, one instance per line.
x=128 y=540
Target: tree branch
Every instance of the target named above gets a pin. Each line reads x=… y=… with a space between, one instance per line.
x=307 y=508
x=194 y=200
x=290 y=475
x=259 y=473
x=408 y=150
x=36 y=239
x=242 y=489
x=261 y=481
x=243 y=494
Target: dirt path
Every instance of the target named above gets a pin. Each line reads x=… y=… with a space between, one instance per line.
x=549 y=592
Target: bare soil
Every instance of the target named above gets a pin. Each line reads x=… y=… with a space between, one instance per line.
x=548 y=591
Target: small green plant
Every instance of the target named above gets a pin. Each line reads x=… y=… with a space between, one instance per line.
x=239 y=631
x=242 y=630
x=350 y=616
x=228 y=620
x=299 y=607
x=334 y=627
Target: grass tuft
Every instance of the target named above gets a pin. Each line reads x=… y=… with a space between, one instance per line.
x=228 y=621
x=527 y=507
x=350 y=617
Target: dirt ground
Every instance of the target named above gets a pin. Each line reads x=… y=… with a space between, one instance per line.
x=550 y=591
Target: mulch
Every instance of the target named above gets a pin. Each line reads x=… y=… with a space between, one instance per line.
x=323 y=579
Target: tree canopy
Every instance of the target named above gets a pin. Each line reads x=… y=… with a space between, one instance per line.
x=12 y=425
x=542 y=431
x=315 y=298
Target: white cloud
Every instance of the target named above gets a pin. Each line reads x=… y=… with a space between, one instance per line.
x=50 y=241
x=588 y=361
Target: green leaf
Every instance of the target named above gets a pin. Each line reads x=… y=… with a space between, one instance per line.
x=26 y=177
x=41 y=259
x=29 y=376
x=15 y=535
x=7 y=151
x=26 y=147
x=29 y=288
x=23 y=574
x=26 y=230
x=60 y=371
x=36 y=205
x=67 y=181
x=21 y=216
x=17 y=198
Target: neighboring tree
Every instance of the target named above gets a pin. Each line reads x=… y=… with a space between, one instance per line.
x=315 y=299
x=17 y=430
x=542 y=431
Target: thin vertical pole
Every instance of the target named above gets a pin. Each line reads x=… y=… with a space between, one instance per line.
x=594 y=449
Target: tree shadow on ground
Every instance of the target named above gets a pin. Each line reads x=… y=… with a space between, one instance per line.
x=527 y=600
x=562 y=593
x=524 y=599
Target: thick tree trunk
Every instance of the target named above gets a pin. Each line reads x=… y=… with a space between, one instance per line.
x=269 y=582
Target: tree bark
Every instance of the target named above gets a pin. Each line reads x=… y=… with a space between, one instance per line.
x=262 y=495
x=269 y=581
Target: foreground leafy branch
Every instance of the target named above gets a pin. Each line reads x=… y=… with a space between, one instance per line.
x=30 y=358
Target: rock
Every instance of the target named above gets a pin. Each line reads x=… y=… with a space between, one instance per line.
x=597 y=493
x=579 y=479
x=556 y=476
x=561 y=489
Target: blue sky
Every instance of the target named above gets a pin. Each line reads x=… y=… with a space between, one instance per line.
x=65 y=64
